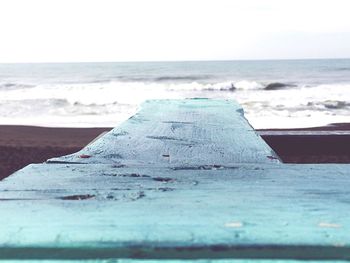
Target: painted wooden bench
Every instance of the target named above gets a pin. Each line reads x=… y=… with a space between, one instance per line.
x=182 y=179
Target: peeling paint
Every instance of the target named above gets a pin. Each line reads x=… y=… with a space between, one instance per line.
x=234 y=224
x=329 y=225
x=77 y=197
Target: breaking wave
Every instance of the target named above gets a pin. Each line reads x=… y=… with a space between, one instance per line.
x=107 y=103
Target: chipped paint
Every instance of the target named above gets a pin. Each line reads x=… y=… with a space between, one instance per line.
x=329 y=225
x=234 y=224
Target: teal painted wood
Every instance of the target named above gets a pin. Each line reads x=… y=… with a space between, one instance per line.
x=258 y=211
x=180 y=132
x=141 y=191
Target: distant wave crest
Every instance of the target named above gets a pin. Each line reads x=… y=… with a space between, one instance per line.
x=343 y=69
x=11 y=86
x=183 y=78
x=164 y=78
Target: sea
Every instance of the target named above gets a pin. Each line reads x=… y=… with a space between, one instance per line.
x=273 y=93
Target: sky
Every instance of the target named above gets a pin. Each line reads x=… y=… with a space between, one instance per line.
x=163 y=30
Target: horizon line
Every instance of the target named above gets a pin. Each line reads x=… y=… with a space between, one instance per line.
x=172 y=61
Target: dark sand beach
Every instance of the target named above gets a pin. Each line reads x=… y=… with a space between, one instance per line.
x=22 y=145
x=327 y=144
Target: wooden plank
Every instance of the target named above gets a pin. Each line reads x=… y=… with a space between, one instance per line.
x=242 y=211
x=180 y=132
x=183 y=179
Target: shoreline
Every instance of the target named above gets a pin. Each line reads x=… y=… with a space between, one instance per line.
x=323 y=144
x=22 y=145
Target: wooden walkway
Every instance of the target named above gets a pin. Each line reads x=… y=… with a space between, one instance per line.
x=182 y=179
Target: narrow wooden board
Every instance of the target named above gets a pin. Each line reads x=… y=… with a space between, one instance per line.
x=179 y=132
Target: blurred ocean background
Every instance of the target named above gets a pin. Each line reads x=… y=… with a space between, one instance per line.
x=274 y=94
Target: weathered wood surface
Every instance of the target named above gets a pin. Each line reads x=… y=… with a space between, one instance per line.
x=258 y=211
x=180 y=132
x=208 y=206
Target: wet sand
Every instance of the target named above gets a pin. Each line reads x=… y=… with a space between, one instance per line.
x=328 y=144
x=22 y=145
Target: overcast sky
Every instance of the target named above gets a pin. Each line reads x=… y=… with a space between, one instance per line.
x=150 y=30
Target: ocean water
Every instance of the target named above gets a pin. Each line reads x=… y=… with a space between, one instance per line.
x=310 y=92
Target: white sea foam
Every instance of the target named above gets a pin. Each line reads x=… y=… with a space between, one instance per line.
x=248 y=85
x=108 y=103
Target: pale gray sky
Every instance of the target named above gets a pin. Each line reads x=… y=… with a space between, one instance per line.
x=147 y=30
